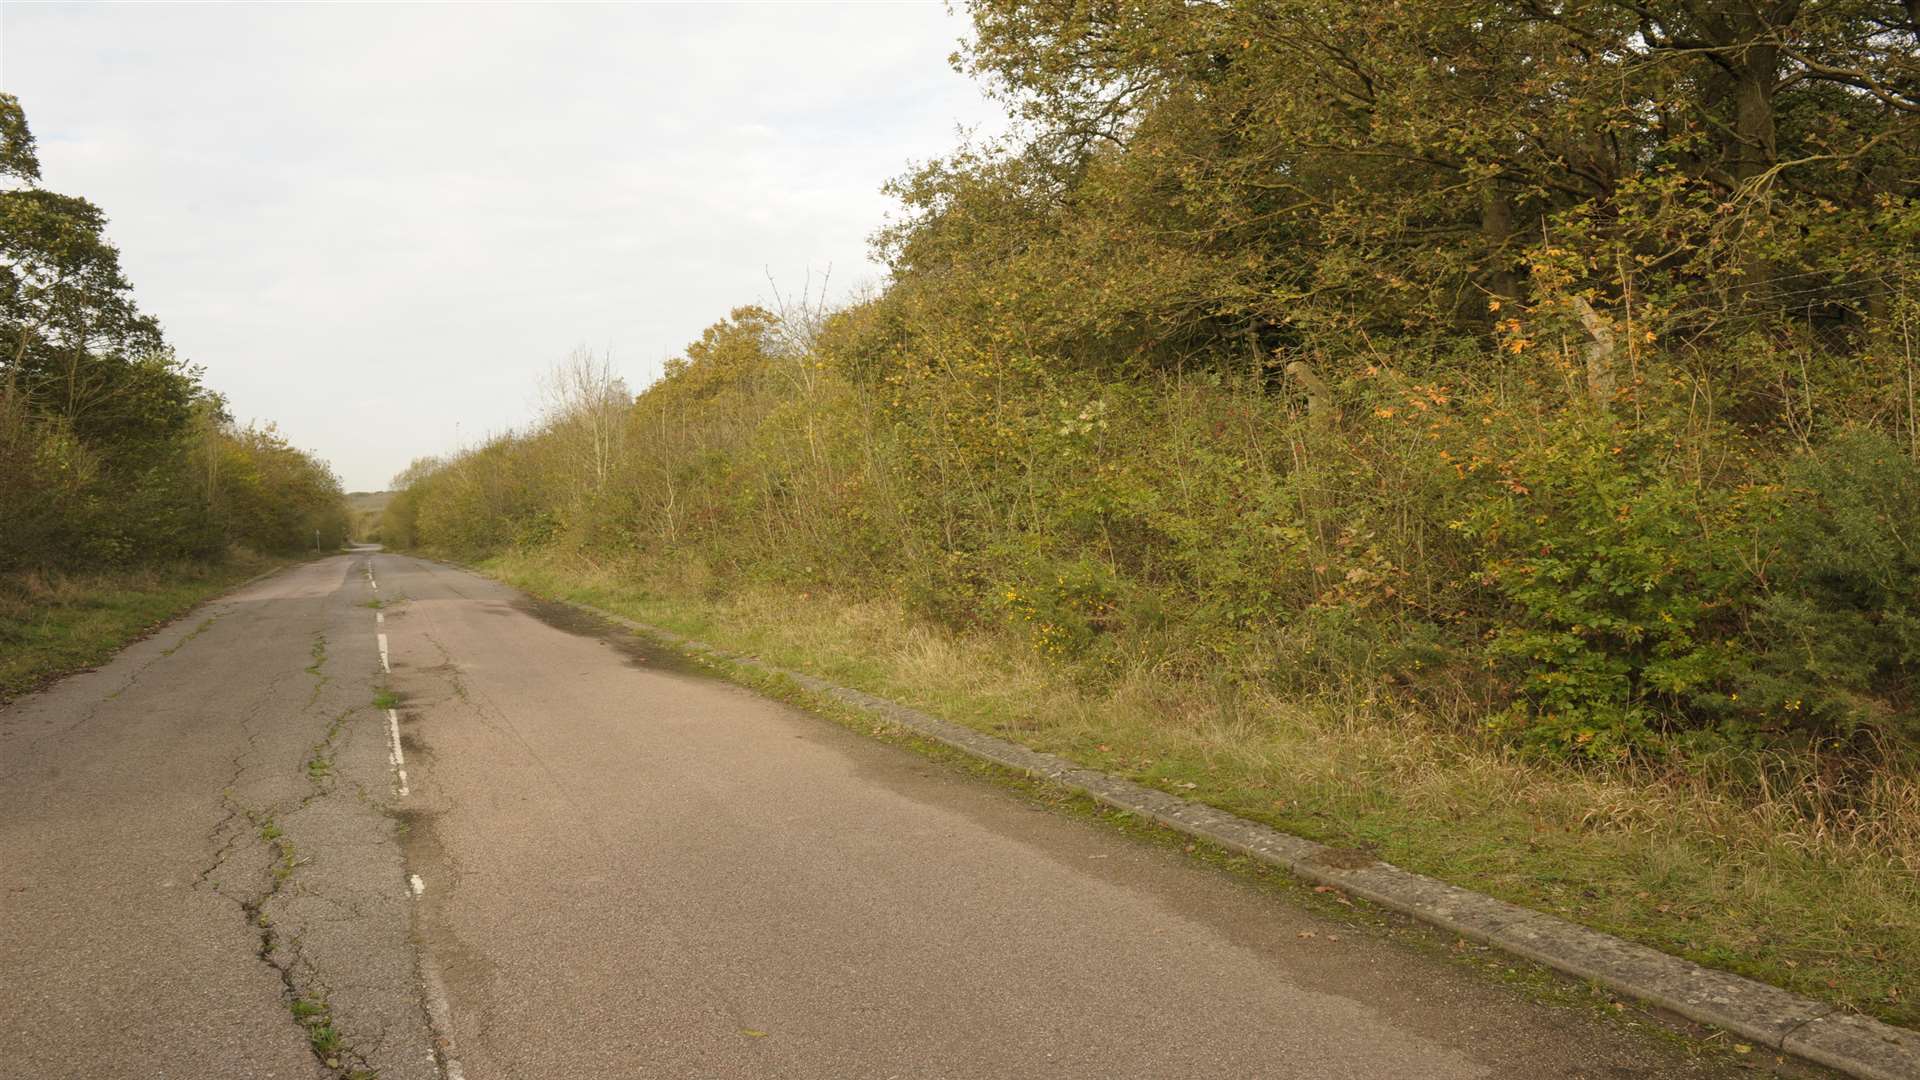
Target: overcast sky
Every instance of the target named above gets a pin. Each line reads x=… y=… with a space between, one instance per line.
x=372 y=223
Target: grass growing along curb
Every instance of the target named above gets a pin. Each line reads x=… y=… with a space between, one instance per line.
x=1677 y=863
x=54 y=624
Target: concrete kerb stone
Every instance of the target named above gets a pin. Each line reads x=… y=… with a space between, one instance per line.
x=1765 y=1015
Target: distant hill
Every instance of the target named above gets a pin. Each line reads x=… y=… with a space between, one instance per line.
x=367 y=508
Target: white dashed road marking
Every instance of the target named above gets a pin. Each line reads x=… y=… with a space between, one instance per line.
x=394 y=753
x=438 y=1012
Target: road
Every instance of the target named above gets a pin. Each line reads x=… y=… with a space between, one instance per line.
x=600 y=863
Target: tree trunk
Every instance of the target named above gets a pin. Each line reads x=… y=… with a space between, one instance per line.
x=1599 y=354
x=1319 y=397
x=1496 y=225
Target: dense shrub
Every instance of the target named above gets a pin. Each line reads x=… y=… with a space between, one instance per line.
x=1569 y=578
x=1837 y=631
x=1621 y=580
x=190 y=495
x=1270 y=349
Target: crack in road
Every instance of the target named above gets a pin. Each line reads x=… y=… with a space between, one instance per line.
x=278 y=862
x=234 y=811
x=209 y=816
x=135 y=675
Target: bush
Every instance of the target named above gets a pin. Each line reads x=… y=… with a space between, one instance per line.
x=1837 y=635
x=1619 y=581
x=1603 y=584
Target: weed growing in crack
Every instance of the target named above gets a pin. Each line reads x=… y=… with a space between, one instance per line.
x=280 y=948
x=320 y=763
x=320 y=677
x=386 y=699
x=181 y=644
x=316 y=1016
x=283 y=861
x=283 y=866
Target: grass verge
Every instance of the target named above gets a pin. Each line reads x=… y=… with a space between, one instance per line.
x=54 y=624
x=1731 y=876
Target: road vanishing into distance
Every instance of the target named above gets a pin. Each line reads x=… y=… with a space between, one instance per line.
x=554 y=852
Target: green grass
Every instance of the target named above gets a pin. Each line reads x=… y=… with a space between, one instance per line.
x=1685 y=862
x=386 y=699
x=327 y=1043
x=55 y=624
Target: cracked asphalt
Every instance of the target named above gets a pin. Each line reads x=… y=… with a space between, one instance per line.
x=629 y=870
x=196 y=835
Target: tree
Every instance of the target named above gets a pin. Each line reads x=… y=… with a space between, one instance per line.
x=114 y=451
x=74 y=341
x=586 y=408
x=18 y=157
x=1300 y=170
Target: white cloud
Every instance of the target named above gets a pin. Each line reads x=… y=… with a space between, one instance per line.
x=371 y=223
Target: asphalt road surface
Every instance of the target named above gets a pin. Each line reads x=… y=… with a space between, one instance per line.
x=562 y=854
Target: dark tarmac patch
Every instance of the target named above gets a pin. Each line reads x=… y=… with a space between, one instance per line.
x=638 y=651
x=417 y=840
